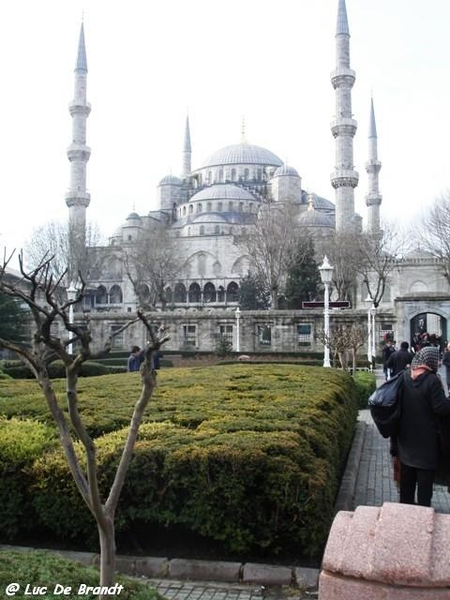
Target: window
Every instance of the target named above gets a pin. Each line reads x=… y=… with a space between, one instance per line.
x=209 y=206
x=233 y=174
x=202 y=230
x=230 y=206
x=117 y=341
x=246 y=174
x=221 y=175
x=304 y=334
x=199 y=207
x=226 y=331
x=217 y=229
x=190 y=335
x=232 y=292
x=219 y=206
x=264 y=335
x=209 y=292
x=195 y=294
x=241 y=206
x=115 y=295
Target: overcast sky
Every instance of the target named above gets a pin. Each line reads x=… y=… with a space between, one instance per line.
x=152 y=61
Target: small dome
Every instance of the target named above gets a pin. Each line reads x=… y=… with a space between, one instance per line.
x=286 y=170
x=316 y=218
x=222 y=191
x=133 y=216
x=242 y=154
x=170 y=180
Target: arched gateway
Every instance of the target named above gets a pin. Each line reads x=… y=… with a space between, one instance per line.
x=422 y=318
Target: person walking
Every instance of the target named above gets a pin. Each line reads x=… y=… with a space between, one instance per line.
x=135 y=359
x=386 y=353
x=416 y=442
x=400 y=359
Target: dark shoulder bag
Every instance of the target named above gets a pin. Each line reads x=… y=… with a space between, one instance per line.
x=385 y=405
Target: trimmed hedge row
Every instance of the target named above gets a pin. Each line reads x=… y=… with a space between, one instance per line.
x=250 y=455
x=365 y=384
x=17 y=370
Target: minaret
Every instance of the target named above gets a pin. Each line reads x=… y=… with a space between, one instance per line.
x=344 y=178
x=373 y=166
x=187 y=152
x=77 y=198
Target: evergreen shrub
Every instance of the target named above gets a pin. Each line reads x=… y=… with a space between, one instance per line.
x=21 y=442
x=365 y=384
x=250 y=455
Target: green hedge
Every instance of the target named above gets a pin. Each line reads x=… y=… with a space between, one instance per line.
x=365 y=384
x=38 y=568
x=253 y=459
x=17 y=370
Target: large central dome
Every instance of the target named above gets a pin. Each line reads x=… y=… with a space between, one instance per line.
x=242 y=154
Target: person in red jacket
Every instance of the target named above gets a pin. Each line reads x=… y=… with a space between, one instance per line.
x=416 y=442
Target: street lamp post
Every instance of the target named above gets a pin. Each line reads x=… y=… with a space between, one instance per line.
x=326 y=275
x=373 y=312
x=370 y=330
x=238 y=332
x=71 y=295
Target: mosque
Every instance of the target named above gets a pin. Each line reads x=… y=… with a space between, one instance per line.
x=207 y=207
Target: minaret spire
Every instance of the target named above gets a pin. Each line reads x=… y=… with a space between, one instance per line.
x=187 y=152
x=373 y=166
x=344 y=178
x=78 y=153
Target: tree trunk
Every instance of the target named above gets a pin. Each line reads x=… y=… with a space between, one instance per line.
x=107 y=554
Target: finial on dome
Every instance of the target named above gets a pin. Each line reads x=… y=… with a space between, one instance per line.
x=310 y=201
x=243 y=139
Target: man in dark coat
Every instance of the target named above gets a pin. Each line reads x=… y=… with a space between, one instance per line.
x=386 y=353
x=400 y=359
x=423 y=399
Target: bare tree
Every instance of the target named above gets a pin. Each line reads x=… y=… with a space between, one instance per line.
x=435 y=232
x=52 y=240
x=150 y=264
x=340 y=250
x=342 y=339
x=375 y=259
x=49 y=316
x=273 y=244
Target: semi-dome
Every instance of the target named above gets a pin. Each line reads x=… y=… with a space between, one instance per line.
x=242 y=154
x=170 y=180
x=222 y=191
x=286 y=170
x=316 y=218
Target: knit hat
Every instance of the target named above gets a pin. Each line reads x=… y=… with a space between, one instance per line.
x=426 y=357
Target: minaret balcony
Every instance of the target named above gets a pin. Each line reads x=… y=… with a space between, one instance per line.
x=344 y=178
x=344 y=126
x=373 y=166
x=79 y=152
x=373 y=199
x=343 y=77
x=77 y=198
x=75 y=108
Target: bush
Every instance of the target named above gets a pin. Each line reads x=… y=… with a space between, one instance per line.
x=44 y=569
x=21 y=442
x=56 y=370
x=365 y=384
x=254 y=461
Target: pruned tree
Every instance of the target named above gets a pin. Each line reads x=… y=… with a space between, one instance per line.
x=343 y=339
x=434 y=233
x=54 y=333
x=151 y=263
x=52 y=240
x=274 y=244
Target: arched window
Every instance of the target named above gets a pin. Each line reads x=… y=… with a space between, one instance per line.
x=189 y=231
x=184 y=211
x=191 y=209
x=169 y=295
x=241 y=207
x=220 y=175
x=233 y=174
x=259 y=174
x=101 y=296
x=246 y=174
x=199 y=207
x=209 y=177
x=143 y=292
x=180 y=293
x=194 y=293
x=209 y=292
x=232 y=292
x=115 y=295
x=219 y=206
x=230 y=206
x=202 y=230
x=209 y=206
x=217 y=229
